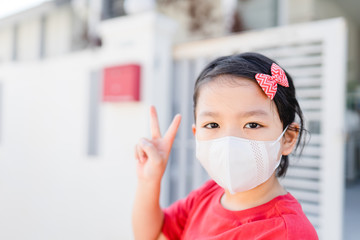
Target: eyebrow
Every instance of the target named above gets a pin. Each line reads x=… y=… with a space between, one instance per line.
x=258 y=112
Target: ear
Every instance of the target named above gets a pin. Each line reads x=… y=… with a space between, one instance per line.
x=193 y=129
x=290 y=138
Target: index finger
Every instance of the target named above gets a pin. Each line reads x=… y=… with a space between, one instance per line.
x=154 y=123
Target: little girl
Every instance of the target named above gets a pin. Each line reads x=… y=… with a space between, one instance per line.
x=244 y=109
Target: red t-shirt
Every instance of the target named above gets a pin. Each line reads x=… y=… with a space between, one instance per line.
x=201 y=216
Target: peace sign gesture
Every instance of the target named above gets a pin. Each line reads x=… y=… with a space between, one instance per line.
x=153 y=154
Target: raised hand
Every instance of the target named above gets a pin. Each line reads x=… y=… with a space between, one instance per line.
x=152 y=154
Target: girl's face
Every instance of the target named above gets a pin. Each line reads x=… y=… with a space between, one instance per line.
x=234 y=106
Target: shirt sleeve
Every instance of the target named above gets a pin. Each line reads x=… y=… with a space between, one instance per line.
x=300 y=228
x=176 y=216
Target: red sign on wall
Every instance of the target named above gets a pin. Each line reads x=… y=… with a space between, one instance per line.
x=121 y=83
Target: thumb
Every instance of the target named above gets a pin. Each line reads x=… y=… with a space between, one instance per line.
x=150 y=150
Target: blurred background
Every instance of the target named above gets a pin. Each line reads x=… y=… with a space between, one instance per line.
x=77 y=78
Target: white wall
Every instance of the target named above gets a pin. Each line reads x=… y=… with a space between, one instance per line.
x=29 y=40
x=49 y=187
x=5 y=44
x=58 y=33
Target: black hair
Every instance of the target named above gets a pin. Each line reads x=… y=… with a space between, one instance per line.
x=247 y=65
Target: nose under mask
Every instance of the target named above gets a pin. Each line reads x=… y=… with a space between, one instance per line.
x=239 y=164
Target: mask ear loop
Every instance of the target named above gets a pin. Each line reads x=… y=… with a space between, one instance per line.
x=278 y=139
x=281 y=135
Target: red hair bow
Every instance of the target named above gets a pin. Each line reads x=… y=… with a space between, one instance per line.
x=269 y=83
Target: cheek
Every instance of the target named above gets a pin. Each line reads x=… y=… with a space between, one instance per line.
x=206 y=134
x=200 y=133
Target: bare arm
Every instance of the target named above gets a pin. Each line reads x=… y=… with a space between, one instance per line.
x=152 y=156
x=147 y=214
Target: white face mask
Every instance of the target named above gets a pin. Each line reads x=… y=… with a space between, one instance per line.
x=239 y=164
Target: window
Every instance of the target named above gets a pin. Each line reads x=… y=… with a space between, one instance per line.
x=112 y=9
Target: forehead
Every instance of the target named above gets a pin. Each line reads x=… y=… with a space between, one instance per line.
x=233 y=94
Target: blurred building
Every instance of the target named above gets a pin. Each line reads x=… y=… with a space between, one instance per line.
x=66 y=151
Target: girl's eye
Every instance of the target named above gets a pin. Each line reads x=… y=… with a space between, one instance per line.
x=212 y=125
x=252 y=125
